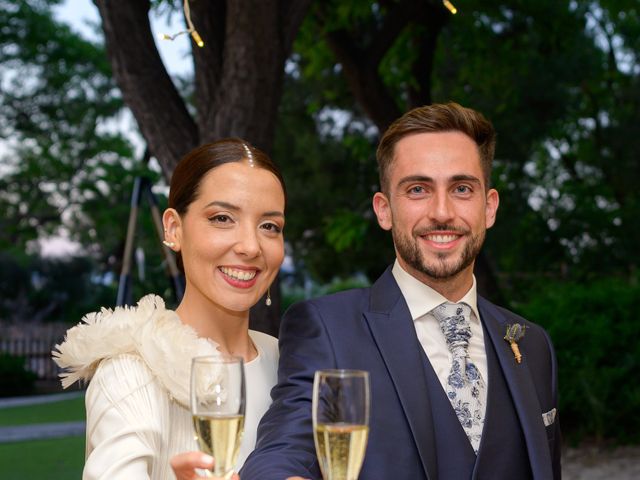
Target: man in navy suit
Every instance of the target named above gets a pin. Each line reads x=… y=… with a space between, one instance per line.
x=435 y=166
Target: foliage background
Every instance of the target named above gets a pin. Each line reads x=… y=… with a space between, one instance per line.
x=559 y=79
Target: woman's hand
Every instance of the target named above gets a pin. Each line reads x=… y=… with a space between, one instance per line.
x=184 y=466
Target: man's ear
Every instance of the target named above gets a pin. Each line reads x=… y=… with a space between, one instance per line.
x=383 y=210
x=491 y=207
x=172 y=228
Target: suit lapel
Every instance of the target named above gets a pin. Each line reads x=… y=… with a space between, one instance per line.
x=520 y=383
x=394 y=333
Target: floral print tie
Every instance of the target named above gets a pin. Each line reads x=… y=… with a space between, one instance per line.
x=465 y=387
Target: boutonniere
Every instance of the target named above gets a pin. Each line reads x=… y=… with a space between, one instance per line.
x=515 y=332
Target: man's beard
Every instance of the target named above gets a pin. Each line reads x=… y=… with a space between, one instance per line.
x=409 y=251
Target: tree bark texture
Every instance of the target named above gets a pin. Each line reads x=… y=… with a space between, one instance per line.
x=238 y=80
x=147 y=88
x=238 y=72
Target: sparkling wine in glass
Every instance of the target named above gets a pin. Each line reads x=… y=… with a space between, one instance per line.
x=217 y=407
x=341 y=421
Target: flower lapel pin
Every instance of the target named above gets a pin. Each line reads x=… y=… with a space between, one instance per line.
x=515 y=332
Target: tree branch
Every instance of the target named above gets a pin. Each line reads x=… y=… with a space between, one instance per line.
x=435 y=18
x=364 y=80
x=253 y=59
x=292 y=13
x=209 y=20
x=167 y=126
x=398 y=16
x=361 y=63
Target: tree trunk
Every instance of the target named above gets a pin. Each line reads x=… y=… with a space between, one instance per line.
x=239 y=90
x=147 y=88
x=238 y=80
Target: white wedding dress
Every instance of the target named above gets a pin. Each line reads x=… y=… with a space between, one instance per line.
x=138 y=362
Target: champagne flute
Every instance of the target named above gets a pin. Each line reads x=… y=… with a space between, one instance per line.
x=340 y=421
x=217 y=407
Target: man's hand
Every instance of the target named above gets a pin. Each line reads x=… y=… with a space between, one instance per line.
x=184 y=466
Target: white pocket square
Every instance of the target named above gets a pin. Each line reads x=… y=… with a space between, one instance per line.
x=549 y=417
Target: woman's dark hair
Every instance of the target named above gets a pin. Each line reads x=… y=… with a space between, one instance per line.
x=188 y=174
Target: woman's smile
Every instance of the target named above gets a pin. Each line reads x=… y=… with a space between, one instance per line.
x=239 y=277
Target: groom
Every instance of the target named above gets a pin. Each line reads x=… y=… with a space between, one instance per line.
x=450 y=397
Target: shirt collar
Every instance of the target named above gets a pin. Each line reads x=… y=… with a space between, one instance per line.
x=421 y=298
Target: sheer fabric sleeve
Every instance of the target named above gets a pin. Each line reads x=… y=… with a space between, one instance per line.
x=125 y=421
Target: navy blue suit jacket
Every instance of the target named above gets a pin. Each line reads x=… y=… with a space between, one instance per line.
x=371 y=329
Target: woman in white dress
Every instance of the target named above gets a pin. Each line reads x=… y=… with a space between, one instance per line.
x=225 y=222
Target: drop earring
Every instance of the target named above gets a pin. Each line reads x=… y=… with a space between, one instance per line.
x=268 y=300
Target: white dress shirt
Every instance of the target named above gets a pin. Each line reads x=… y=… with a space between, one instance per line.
x=421 y=299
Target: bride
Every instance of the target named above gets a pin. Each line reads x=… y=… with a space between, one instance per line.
x=225 y=222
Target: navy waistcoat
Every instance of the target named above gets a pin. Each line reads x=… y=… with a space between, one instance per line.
x=503 y=451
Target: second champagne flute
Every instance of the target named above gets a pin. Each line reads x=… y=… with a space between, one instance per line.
x=341 y=421
x=217 y=406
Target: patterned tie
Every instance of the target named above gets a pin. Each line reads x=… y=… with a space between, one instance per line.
x=465 y=388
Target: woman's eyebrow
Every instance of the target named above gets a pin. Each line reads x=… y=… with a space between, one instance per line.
x=236 y=208
x=218 y=203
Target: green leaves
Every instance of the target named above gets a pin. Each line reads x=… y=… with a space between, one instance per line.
x=59 y=105
x=595 y=333
x=345 y=229
x=67 y=168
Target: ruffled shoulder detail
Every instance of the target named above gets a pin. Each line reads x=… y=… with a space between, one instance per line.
x=149 y=330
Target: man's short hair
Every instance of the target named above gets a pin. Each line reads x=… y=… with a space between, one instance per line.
x=439 y=117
